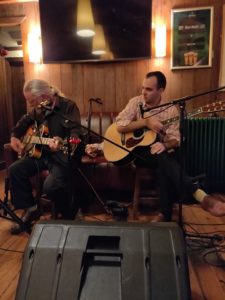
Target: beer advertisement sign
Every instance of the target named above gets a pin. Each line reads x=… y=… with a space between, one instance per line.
x=192 y=38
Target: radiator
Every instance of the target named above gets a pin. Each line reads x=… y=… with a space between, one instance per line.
x=204 y=150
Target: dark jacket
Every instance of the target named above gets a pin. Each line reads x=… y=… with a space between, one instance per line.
x=62 y=121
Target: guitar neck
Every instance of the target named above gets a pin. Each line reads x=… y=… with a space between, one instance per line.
x=190 y=114
x=39 y=140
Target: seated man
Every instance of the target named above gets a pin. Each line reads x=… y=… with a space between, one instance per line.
x=52 y=158
x=161 y=153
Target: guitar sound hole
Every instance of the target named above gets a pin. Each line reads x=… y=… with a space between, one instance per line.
x=138 y=133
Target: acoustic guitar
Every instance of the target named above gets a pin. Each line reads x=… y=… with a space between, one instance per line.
x=142 y=137
x=37 y=137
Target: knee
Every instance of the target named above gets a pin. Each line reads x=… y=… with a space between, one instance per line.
x=52 y=188
x=47 y=188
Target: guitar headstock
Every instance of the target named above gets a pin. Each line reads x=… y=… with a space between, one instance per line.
x=74 y=142
x=214 y=107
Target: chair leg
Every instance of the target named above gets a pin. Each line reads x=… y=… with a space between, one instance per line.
x=136 y=196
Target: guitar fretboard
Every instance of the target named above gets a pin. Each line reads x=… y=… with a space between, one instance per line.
x=175 y=119
x=213 y=107
x=40 y=140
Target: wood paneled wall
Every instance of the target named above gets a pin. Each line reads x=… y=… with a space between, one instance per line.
x=6 y=113
x=18 y=103
x=7 y=78
x=116 y=82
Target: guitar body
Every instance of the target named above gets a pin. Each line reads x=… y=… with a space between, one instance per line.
x=130 y=141
x=33 y=149
x=36 y=137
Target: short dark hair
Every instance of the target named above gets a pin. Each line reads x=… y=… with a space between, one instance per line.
x=161 y=78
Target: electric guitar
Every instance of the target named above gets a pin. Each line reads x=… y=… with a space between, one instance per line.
x=142 y=137
x=37 y=137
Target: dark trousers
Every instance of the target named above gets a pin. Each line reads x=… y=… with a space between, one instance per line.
x=55 y=185
x=169 y=178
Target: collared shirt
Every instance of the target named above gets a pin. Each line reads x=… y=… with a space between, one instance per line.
x=132 y=112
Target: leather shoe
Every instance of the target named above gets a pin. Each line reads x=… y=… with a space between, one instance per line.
x=215 y=205
x=31 y=216
x=27 y=218
x=159 y=218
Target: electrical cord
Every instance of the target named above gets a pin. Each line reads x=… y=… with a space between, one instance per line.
x=220 y=262
x=204 y=233
x=209 y=247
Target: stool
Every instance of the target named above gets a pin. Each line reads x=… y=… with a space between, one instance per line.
x=142 y=191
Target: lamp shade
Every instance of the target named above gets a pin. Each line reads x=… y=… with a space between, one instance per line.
x=108 y=54
x=85 y=20
x=99 y=43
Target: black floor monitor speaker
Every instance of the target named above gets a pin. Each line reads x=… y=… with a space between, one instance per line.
x=107 y=261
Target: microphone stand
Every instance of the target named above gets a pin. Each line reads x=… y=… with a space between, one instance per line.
x=182 y=106
x=75 y=124
x=182 y=103
x=97 y=100
x=89 y=117
x=13 y=217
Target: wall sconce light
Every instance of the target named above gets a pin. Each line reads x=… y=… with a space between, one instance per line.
x=85 y=20
x=34 y=47
x=160 y=41
x=98 y=43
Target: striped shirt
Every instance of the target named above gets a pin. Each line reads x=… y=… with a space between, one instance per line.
x=132 y=112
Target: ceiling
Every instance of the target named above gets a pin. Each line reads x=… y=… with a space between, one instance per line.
x=11 y=40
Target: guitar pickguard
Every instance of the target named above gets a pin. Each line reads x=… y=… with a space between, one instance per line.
x=31 y=148
x=131 y=142
x=138 y=136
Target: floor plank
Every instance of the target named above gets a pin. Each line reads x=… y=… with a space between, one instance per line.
x=207 y=281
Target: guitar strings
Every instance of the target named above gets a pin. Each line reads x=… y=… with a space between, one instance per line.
x=37 y=128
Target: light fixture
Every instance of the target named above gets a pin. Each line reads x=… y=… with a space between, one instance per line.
x=85 y=20
x=98 y=42
x=34 y=47
x=160 y=40
x=108 y=54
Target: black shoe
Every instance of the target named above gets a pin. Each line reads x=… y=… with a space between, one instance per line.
x=28 y=218
x=31 y=216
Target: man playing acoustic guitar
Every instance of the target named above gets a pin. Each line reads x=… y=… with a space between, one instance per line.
x=161 y=153
x=47 y=108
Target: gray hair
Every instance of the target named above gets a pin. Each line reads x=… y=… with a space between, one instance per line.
x=39 y=87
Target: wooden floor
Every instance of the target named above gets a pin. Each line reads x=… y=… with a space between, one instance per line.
x=206 y=265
